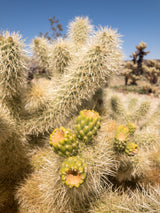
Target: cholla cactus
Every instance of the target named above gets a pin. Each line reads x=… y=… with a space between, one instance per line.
x=141 y=53
x=36 y=112
x=148 y=89
x=78 y=179
x=134 y=57
x=92 y=69
x=151 y=73
x=132 y=145
x=133 y=167
x=130 y=73
x=152 y=63
x=123 y=114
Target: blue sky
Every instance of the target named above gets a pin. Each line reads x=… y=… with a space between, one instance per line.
x=136 y=20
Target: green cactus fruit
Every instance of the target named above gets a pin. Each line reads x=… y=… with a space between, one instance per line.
x=132 y=128
x=73 y=171
x=87 y=124
x=64 y=142
x=131 y=149
x=120 y=142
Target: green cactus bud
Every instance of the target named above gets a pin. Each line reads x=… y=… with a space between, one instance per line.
x=63 y=142
x=87 y=125
x=131 y=149
x=120 y=142
x=122 y=129
x=73 y=172
x=132 y=128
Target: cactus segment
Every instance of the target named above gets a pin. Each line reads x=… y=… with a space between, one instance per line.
x=41 y=51
x=132 y=128
x=79 y=30
x=131 y=149
x=120 y=142
x=12 y=64
x=87 y=125
x=60 y=55
x=73 y=171
x=63 y=142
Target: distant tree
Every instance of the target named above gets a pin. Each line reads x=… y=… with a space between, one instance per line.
x=134 y=69
x=138 y=57
x=141 y=53
x=55 y=29
x=134 y=57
